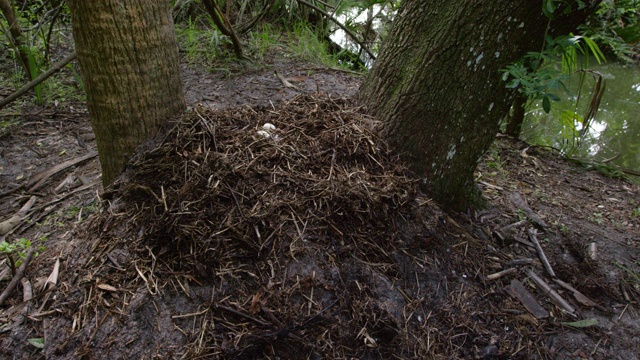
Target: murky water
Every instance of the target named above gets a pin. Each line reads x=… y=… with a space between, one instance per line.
x=615 y=130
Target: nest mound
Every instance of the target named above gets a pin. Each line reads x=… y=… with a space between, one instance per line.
x=278 y=231
x=220 y=187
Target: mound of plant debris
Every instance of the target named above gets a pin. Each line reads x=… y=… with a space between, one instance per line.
x=291 y=232
x=251 y=233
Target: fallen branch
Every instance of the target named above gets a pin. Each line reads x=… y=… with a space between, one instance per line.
x=580 y=297
x=508 y=232
x=512 y=226
x=630 y=171
x=527 y=299
x=40 y=178
x=349 y=32
x=552 y=294
x=18 y=276
x=11 y=191
x=285 y=82
x=521 y=204
x=501 y=274
x=35 y=82
x=520 y=262
x=13 y=221
x=541 y=254
x=51 y=209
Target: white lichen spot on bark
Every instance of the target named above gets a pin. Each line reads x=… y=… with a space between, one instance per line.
x=479 y=58
x=497 y=54
x=490 y=106
x=521 y=25
x=452 y=152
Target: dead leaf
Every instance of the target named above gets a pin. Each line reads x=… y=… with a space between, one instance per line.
x=53 y=277
x=297 y=78
x=256 y=303
x=106 y=287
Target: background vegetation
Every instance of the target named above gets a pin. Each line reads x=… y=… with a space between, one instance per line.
x=234 y=35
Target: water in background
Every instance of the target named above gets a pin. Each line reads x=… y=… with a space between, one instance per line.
x=615 y=130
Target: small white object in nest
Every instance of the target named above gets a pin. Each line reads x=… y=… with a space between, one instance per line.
x=268 y=126
x=264 y=134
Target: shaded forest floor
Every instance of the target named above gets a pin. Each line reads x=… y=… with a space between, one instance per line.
x=311 y=241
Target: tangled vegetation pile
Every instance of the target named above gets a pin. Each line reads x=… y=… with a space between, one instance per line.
x=244 y=183
x=272 y=232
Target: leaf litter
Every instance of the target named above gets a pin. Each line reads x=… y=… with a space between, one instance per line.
x=287 y=245
x=314 y=242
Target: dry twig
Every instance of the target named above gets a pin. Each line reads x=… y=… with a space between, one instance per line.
x=18 y=276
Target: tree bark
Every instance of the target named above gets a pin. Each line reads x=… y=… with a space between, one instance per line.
x=437 y=86
x=516 y=118
x=128 y=55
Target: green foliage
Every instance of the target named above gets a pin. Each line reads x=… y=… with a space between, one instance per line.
x=535 y=85
x=582 y=323
x=369 y=20
x=37 y=342
x=41 y=22
x=304 y=44
x=7 y=248
x=616 y=27
x=200 y=41
x=19 y=248
x=632 y=276
x=34 y=65
x=494 y=161
x=262 y=40
x=537 y=75
x=550 y=7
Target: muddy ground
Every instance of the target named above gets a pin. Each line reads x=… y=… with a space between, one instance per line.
x=365 y=267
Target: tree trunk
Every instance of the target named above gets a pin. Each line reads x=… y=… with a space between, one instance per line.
x=516 y=118
x=437 y=85
x=128 y=55
x=17 y=37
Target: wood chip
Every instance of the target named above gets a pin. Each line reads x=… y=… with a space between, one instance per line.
x=106 y=287
x=528 y=300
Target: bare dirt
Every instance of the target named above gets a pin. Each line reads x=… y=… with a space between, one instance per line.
x=312 y=242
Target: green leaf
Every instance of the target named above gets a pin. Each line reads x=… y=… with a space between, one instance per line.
x=553 y=97
x=548 y=8
x=630 y=34
x=582 y=323
x=595 y=50
x=513 y=84
x=37 y=342
x=546 y=104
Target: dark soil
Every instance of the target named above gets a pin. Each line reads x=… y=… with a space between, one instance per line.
x=309 y=242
